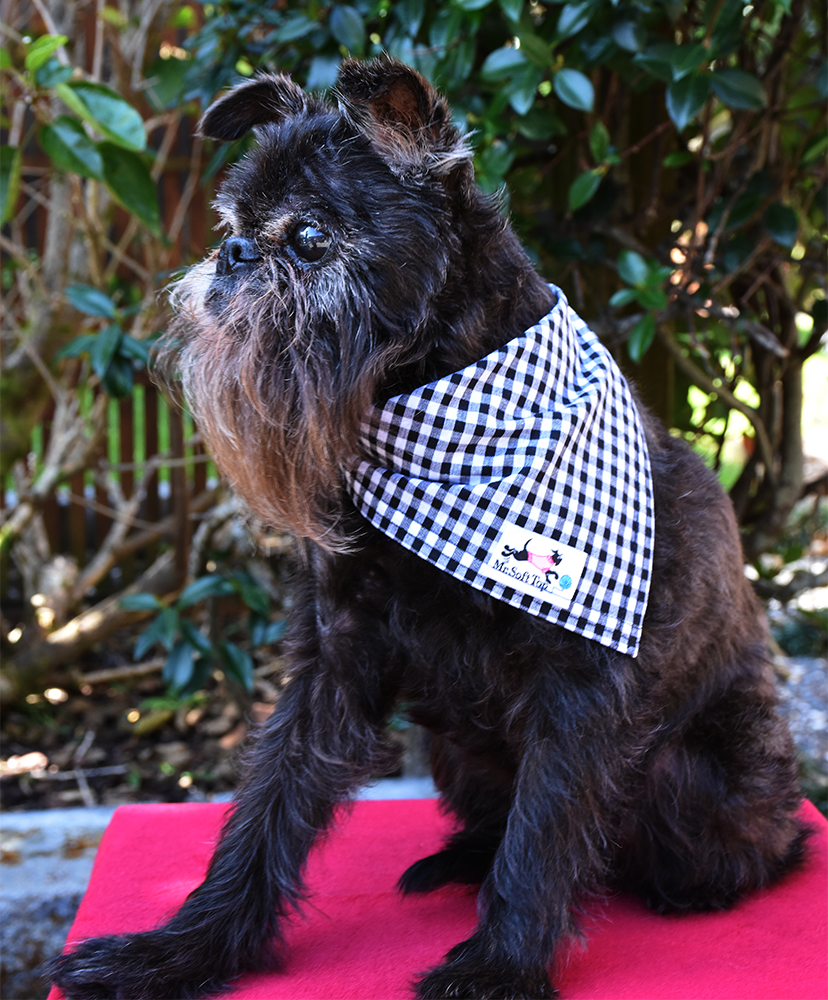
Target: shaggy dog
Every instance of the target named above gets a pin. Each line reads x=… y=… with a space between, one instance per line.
x=493 y=533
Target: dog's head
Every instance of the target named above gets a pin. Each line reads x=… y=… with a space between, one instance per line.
x=350 y=270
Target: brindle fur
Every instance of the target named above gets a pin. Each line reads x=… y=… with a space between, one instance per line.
x=568 y=766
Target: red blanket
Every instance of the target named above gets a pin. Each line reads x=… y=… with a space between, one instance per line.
x=360 y=939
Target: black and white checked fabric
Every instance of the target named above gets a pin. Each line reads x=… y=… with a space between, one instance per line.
x=525 y=475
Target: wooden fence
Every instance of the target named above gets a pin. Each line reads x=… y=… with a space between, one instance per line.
x=148 y=443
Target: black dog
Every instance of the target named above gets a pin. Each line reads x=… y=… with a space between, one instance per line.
x=576 y=749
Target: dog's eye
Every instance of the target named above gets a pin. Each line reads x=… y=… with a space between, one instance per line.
x=310 y=243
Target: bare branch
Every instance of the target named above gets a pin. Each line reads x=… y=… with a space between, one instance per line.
x=704 y=381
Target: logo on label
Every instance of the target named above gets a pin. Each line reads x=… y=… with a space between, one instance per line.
x=536 y=565
x=538 y=553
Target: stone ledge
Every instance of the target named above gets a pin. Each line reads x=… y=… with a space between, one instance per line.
x=46 y=859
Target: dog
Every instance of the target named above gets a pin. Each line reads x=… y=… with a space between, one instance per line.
x=492 y=531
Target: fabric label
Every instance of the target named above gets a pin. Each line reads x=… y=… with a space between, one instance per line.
x=536 y=565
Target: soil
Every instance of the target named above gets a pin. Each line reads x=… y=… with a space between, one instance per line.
x=124 y=739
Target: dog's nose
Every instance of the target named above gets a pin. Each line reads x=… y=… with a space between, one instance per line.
x=236 y=254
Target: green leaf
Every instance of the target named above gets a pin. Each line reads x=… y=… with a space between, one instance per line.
x=91 y=301
x=70 y=148
x=205 y=586
x=166 y=80
x=445 y=27
x=10 y=160
x=599 y=142
x=128 y=179
x=574 y=89
x=496 y=160
x=685 y=98
x=202 y=672
x=105 y=348
x=822 y=80
x=633 y=268
x=540 y=123
x=652 y=298
x=40 y=51
x=512 y=9
x=582 y=189
x=348 y=29
x=502 y=63
x=265 y=633
x=410 y=14
x=252 y=593
x=296 y=25
x=53 y=72
x=623 y=297
x=815 y=148
x=136 y=350
x=196 y=638
x=110 y=114
x=536 y=50
x=658 y=60
x=162 y=630
x=140 y=602
x=523 y=89
x=178 y=670
x=460 y=61
x=472 y=4
x=323 y=72
x=629 y=35
x=573 y=18
x=657 y=274
x=5 y=59
x=686 y=59
x=641 y=337
x=237 y=663
x=678 y=159
x=782 y=224
x=80 y=345
x=119 y=378
x=738 y=89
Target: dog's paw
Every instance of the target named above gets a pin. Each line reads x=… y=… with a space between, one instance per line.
x=128 y=967
x=465 y=980
x=461 y=864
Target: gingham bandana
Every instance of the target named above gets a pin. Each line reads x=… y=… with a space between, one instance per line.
x=525 y=475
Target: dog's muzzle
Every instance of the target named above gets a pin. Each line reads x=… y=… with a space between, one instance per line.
x=237 y=255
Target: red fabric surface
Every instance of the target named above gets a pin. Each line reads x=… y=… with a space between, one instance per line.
x=359 y=938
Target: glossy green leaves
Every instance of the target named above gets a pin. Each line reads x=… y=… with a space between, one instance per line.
x=192 y=655
x=646 y=278
x=112 y=353
x=575 y=89
x=106 y=112
x=68 y=146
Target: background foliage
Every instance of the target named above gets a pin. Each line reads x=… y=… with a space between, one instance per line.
x=663 y=160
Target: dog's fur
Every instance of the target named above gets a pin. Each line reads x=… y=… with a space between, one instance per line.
x=568 y=766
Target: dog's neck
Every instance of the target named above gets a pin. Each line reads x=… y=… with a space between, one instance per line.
x=477 y=312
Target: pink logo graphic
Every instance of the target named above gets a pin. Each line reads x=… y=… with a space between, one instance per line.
x=538 y=552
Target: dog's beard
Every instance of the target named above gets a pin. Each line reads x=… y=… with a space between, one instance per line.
x=278 y=371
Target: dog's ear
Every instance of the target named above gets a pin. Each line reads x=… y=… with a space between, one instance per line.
x=268 y=98
x=407 y=121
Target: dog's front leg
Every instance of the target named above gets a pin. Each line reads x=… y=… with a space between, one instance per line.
x=557 y=843
x=324 y=739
